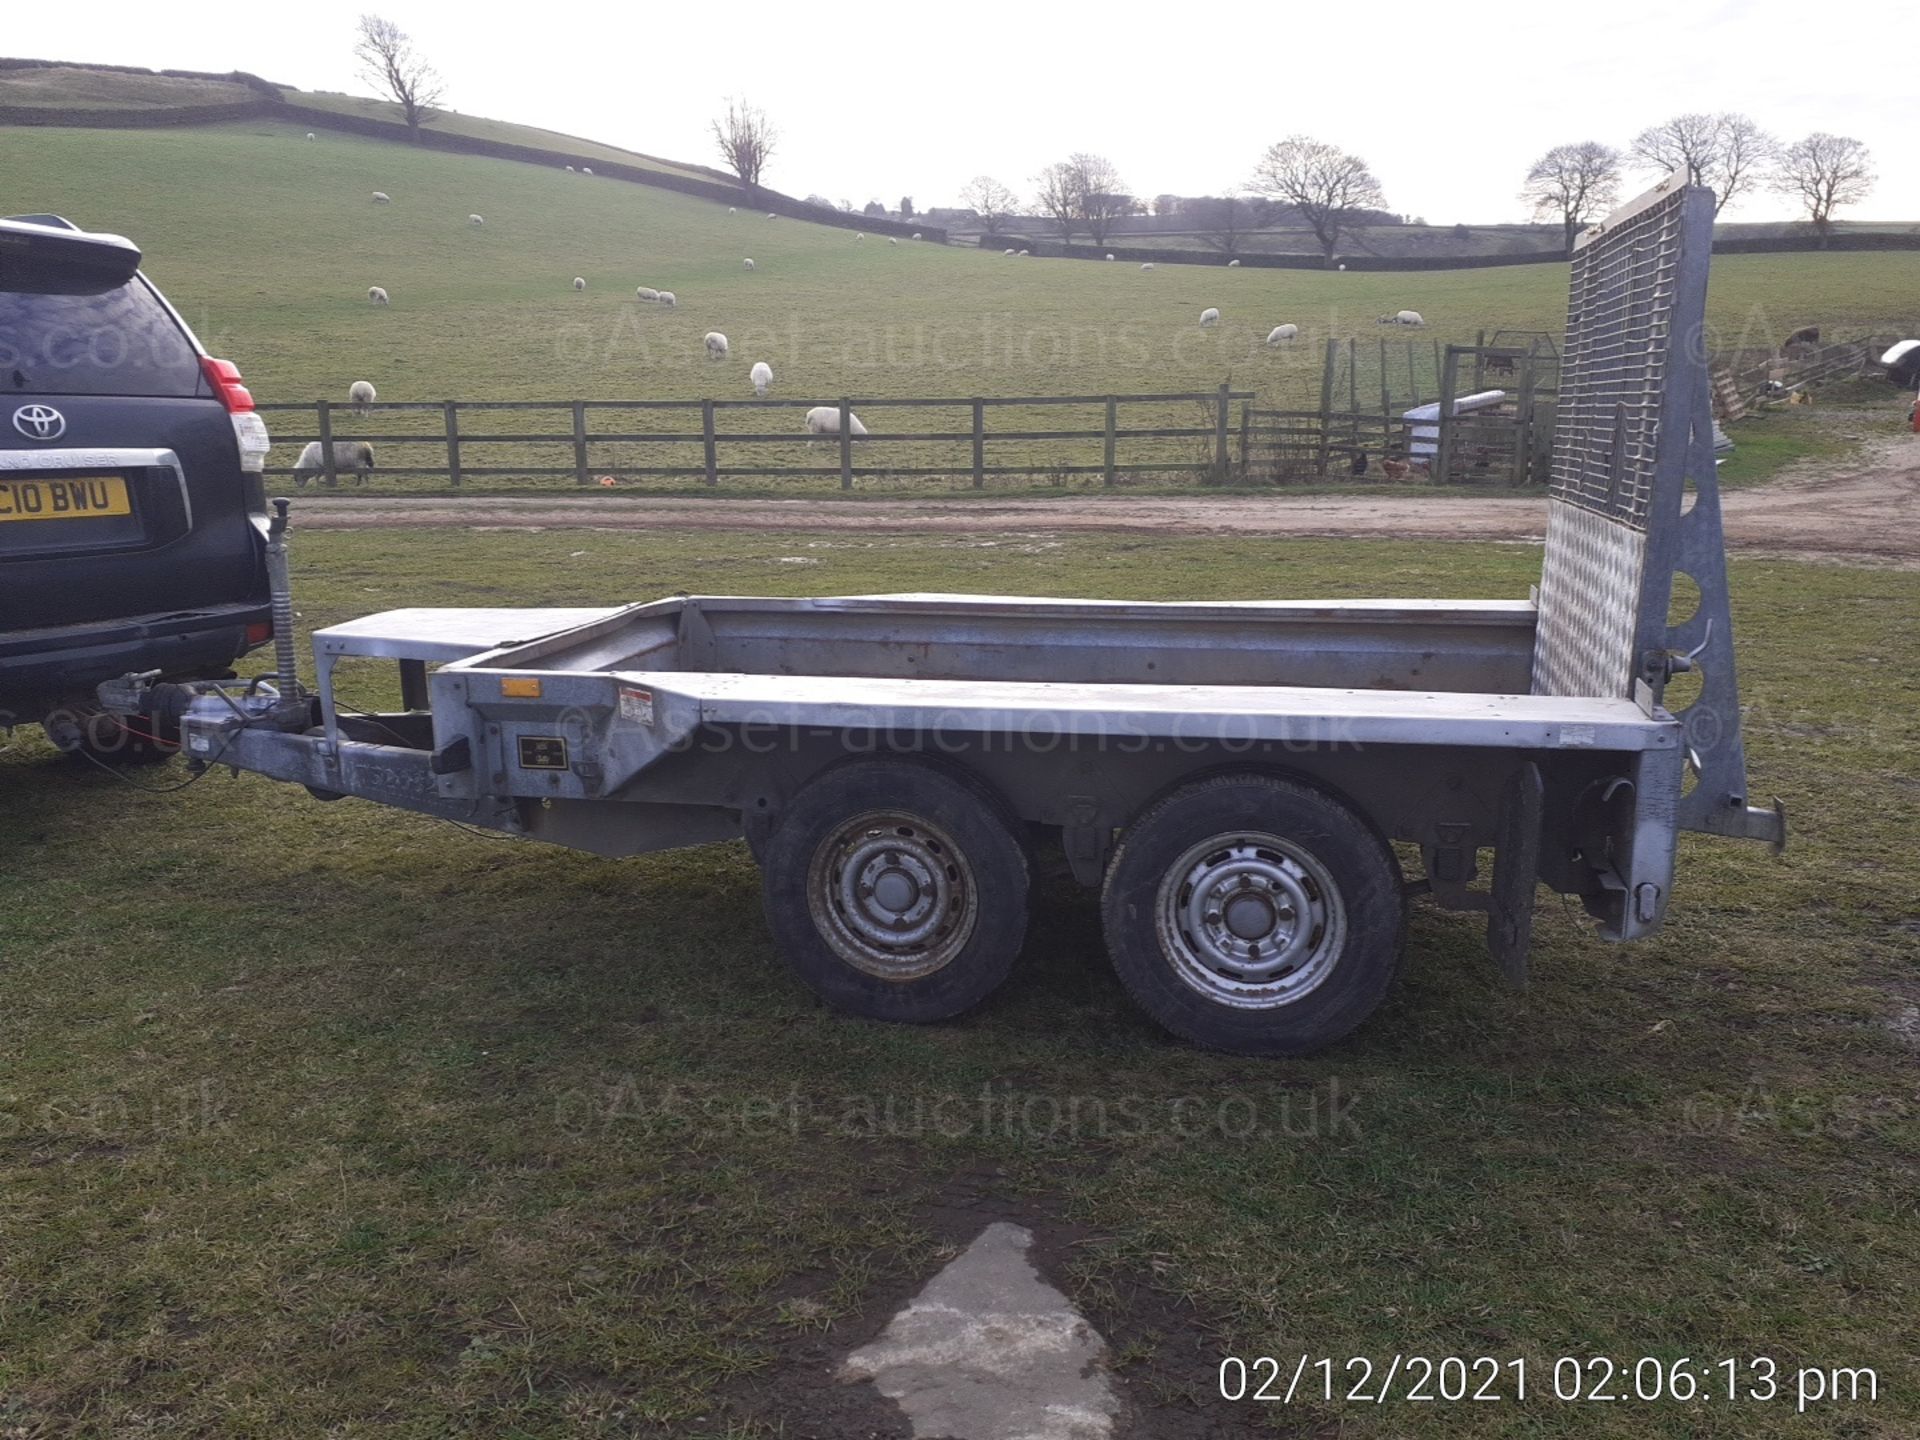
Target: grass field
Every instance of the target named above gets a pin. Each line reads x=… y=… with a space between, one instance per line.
x=327 y=1120
x=268 y=244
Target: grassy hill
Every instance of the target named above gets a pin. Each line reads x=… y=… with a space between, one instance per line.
x=268 y=244
x=54 y=87
x=71 y=87
x=453 y=123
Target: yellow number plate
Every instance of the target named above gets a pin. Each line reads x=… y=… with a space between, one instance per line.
x=71 y=497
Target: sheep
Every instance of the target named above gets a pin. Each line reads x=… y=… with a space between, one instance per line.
x=893 y=239
x=377 y=295
x=1147 y=266
x=569 y=169
x=858 y=237
x=1280 y=334
x=769 y=214
x=348 y=455
x=732 y=210
x=761 y=375
x=916 y=234
x=1006 y=252
x=380 y=197
x=1233 y=264
x=1343 y=269
x=1109 y=255
x=475 y=220
x=825 y=420
x=579 y=283
x=1209 y=317
x=1026 y=252
x=586 y=169
x=747 y=263
x=646 y=293
x=1403 y=317
x=668 y=299
x=716 y=344
x=362 y=394
x=310 y=134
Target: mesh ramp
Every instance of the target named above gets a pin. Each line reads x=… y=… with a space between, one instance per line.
x=1633 y=500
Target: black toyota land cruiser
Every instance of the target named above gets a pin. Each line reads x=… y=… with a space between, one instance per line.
x=132 y=516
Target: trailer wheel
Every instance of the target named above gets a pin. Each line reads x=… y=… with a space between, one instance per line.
x=896 y=890
x=1252 y=914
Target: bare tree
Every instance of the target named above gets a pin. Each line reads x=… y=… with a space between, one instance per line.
x=1686 y=142
x=1222 y=221
x=1746 y=152
x=746 y=139
x=1323 y=182
x=389 y=62
x=1573 y=184
x=990 y=200
x=1726 y=152
x=1825 y=172
x=1103 y=196
x=1058 y=196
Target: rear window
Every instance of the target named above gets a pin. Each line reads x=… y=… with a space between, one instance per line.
x=118 y=342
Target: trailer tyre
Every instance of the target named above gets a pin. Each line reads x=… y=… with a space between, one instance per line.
x=897 y=890
x=1255 y=915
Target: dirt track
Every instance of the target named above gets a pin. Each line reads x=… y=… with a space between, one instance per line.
x=1866 y=511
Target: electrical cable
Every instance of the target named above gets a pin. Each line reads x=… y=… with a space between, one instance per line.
x=156 y=789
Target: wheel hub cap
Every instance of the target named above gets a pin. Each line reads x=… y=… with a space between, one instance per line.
x=890 y=891
x=1250 y=917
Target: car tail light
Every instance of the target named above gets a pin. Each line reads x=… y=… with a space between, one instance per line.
x=259 y=632
x=249 y=430
x=224 y=377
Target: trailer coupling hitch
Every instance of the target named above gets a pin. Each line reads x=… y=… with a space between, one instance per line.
x=144 y=696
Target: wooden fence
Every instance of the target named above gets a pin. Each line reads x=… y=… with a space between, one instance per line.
x=459 y=440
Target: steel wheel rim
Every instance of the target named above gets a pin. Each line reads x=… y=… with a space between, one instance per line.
x=1251 y=920
x=893 y=895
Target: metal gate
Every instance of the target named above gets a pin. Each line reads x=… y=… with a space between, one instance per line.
x=1494 y=420
x=1634 y=501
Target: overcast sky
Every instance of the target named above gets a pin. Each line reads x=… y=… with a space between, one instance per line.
x=878 y=100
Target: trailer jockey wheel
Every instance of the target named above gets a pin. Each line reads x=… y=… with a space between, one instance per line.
x=1255 y=915
x=897 y=890
x=83 y=730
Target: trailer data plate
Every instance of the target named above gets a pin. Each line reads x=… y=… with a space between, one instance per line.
x=542 y=752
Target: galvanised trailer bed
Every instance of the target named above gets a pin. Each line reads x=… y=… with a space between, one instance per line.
x=1232 y=776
